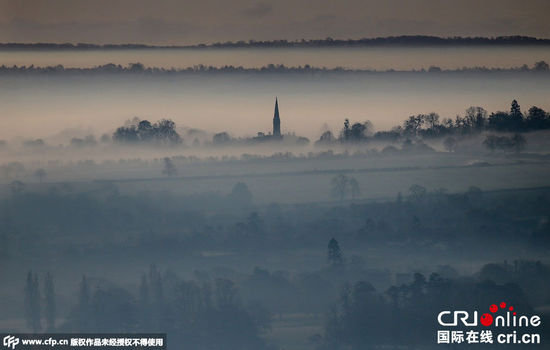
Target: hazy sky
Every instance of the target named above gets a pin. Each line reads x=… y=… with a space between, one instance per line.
x=194 y=21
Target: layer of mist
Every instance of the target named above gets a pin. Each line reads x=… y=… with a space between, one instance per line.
x=167 y=202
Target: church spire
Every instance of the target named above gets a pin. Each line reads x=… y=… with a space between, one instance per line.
x=276 y=120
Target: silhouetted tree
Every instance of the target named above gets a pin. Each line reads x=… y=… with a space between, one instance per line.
x=221 y=138
x=515 y=113
x=357 y=132
x=169 y=167
x=537 y=119
x=145 y=130
x=32 y=302
x=412 y=125
x=346 y=131
x=166 y=131
x=340 y=185
x=475 y=118
x=145 y=303
x=334 y=254
x=40 y=174
x=84 y=308
x=125 y=134
x=240 y=194
x=326 y=138
x=541 y=66
x=49 y=302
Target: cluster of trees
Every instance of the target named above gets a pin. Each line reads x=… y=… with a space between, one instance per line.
x=162 y=132
x=343 y=186
x=405 y=315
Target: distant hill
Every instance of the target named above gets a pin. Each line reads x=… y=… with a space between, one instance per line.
x=404 y=40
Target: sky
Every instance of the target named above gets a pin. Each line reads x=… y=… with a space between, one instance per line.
x=162 y=22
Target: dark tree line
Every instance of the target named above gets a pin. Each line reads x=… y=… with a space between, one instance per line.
x=210 y=312
x=139 y=68
x=187 y=223
x=405 y=315
x=475 y=120
x=390 y=40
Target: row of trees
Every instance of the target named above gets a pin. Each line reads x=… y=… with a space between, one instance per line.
x=475 y=120
x=388 y=40
x=198 y=315
x=139 y=68
x=40 y=305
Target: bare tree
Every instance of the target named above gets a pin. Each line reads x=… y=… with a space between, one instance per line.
x=169 y=167
x=32 y=302
x=339 y=186
x=49 y=302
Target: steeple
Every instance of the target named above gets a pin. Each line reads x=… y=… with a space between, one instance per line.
x=276 y=120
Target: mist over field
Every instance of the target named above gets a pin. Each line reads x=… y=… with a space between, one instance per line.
x=48 y=106
x=369 y=198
